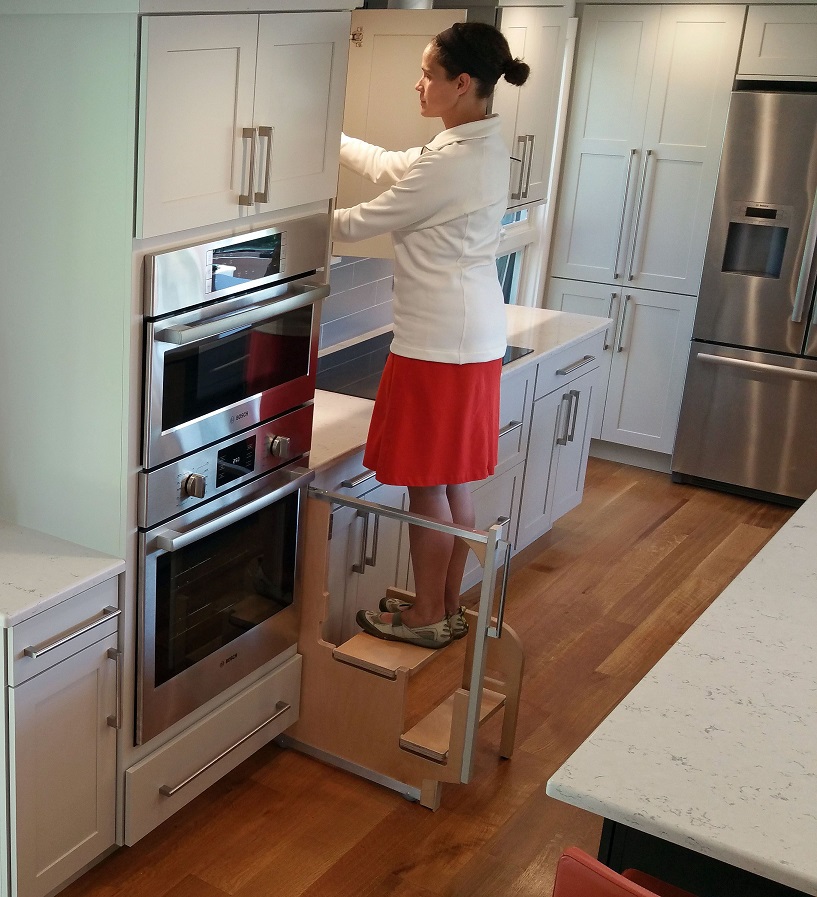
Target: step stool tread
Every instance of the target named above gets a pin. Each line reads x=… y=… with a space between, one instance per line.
x=381 y=656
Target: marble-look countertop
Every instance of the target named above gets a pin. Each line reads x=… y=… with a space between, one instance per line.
x=341 y=422
x=38 y=571
x=716 y=749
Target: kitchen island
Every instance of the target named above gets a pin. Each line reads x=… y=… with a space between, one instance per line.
x=706 y=773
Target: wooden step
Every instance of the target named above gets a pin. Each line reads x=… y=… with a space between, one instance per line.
x=382 y=657
x=432 y=735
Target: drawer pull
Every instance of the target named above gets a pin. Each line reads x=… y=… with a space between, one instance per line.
x=511 y=425
x=576 y=365
x=35 y=651
x=360 y=478
x=168 y=791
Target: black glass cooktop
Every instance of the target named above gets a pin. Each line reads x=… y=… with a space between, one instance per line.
x=356 y=370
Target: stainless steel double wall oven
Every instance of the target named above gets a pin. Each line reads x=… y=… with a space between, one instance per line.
x=231 y=340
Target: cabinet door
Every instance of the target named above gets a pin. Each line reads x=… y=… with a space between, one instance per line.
x=197 y=83
x=377 y=556
x=614 y=63
x=569 y=464
x=63 y=757
x=683 y=135
x=300 y=80
x=528 y=114
x=647 y=374
x=780 y=41
x=382 y=106
x=600 y=301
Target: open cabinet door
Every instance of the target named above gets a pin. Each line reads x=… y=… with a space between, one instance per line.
x=382 y=106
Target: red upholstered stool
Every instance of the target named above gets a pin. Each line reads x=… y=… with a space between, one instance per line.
x=580 y=875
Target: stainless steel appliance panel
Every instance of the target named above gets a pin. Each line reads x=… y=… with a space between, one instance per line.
x=218 y=596
x=749 y=421
x=216 y=371
x=754 y=291
x=181 y=278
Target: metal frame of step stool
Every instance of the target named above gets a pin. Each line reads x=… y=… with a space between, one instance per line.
x=353 y=696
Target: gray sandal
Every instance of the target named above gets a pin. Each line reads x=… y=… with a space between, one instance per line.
x=436 y=635
x=457 y=621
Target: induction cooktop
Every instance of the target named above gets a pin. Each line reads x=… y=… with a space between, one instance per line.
x=356 y=370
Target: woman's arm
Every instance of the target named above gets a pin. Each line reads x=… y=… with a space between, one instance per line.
x=375 y=163
x=430 y=193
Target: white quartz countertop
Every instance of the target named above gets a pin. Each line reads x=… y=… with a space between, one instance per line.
x=716 y=749
x=341 y=422
x=38 y=571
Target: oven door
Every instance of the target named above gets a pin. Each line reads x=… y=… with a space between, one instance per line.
x=216 y=371
x=218 y=596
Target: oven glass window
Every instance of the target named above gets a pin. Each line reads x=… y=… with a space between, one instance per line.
x=219 y=587
x=214 y=373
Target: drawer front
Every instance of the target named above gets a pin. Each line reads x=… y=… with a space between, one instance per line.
x=61 y=631
x=513 y=402
x=559 y=369
x=170 y=777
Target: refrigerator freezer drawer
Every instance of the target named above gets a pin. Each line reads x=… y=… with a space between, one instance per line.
x=749 y=421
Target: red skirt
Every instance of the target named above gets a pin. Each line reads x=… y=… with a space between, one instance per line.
x=434 y=424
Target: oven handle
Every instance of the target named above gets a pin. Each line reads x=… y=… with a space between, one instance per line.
x=297 y=297
x=170 y=540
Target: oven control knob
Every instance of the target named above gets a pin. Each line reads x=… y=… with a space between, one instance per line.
x=279 y=446
x=193 y=485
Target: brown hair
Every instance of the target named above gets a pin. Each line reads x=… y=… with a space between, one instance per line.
x=481 y=51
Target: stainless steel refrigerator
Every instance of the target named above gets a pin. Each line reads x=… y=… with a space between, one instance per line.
x=748 y=418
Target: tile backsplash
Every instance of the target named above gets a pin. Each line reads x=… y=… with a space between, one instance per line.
x=360 y=299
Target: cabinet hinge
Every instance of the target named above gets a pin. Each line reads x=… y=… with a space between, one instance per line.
x=356 y=37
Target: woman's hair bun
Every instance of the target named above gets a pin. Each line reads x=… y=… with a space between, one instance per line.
x=516 y=72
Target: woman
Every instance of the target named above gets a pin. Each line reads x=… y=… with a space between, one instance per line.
x=435 y=422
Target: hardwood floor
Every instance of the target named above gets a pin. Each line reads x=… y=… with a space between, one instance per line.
x=596 y=602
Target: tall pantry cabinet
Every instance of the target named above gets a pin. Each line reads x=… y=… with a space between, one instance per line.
x=648 y=112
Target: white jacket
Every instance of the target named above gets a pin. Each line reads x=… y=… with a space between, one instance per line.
x=444 y=210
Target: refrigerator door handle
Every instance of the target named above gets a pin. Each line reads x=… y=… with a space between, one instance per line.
x=758 y=366
x=804 y=281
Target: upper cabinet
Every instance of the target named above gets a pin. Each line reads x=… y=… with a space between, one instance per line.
x=382 y=106
x=780 y=42
x=239 y=114
x=651 y=94
x=536 y=35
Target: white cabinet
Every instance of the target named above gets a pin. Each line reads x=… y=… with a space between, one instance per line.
x=559 y=439
x=644 y=363
x=63 y=706
x=780 y=42
x=537 y=35
x=226 y=130
x=382 y=106
x=368 y=554
x=651 y=93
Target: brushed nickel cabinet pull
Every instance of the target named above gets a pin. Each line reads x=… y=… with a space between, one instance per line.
x=168 y=790
x=371 y=560
x=517 y=194
x=586 y=359
x=510 y=427
x=620 y=347
x=531 y=139
x=266 y=132
x=35 y=651
x=360 y=566
x=613 y=297
x=562 y=440
x=638 y=215
x=115 y=720
x=623 y=211
x=574 y=401
x=360 y=478
x=248 y=198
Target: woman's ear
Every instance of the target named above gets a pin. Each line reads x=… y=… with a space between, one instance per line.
x=463 y=83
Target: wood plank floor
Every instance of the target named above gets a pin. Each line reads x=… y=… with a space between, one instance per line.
x=596 y=602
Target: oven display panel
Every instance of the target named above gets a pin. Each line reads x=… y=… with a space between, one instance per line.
x=235 y=461
x=244 y=262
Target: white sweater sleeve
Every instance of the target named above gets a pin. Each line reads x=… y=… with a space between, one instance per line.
x=427 y=195
x=375 y=163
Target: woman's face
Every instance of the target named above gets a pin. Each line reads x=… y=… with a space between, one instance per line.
x=438 y=93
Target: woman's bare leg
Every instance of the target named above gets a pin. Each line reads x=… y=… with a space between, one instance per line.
x=461 y=505
x=430 y=556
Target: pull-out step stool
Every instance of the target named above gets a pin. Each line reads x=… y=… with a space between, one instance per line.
x=354 y=695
